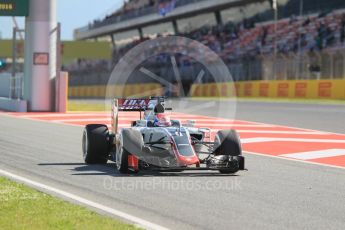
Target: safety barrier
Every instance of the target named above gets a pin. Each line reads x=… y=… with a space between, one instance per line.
x=302 y=89
x=112 y=91
x=299 y=89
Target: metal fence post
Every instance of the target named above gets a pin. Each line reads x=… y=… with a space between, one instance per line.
x=343 y=54
x=14 y=60
x=331 y=60
x=58 y=67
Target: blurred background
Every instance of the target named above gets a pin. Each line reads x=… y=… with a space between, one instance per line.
x=272 y=48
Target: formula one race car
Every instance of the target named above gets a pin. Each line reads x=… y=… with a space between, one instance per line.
x=155 y=142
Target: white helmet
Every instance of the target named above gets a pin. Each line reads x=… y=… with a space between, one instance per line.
x=149 y=113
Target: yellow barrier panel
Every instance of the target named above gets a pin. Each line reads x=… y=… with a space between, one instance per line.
x=102 y=91
x=303 y=89
x=116 y=91
x=238 y=88
x=307 y=89
x=264 y=89
x=76 y=91
x=70 y=49
x=71 y=92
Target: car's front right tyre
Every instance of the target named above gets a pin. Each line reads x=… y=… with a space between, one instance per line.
x=229 y=145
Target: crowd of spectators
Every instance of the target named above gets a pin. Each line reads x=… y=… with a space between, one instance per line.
x=132 y=5
x=129 y=7
x=136 y=8
x=246 y=39
x=295 y=34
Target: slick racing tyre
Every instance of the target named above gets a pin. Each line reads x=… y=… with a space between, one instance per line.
x=228 y=143
x=130 y=140
x=122 y=159
x=229 y=146
x=95 y=144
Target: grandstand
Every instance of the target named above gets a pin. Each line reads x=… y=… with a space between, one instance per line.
x=307 y=41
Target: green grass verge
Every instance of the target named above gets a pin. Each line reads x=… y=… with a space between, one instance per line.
x=22 y=207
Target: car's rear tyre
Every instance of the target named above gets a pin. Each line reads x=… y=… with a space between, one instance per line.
x=95 y=144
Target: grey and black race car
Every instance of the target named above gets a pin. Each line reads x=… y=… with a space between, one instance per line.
x=156 y=142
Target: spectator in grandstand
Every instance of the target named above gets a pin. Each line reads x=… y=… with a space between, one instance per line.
x=293 y=19
x=263 y=35
x=314 y=66
x=306 y=22
x=166 y=6
x=322 y=34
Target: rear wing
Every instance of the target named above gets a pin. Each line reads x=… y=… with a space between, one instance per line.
x=132 y=105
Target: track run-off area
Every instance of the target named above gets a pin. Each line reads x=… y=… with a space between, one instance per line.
x=311 y=146
x=295 y=177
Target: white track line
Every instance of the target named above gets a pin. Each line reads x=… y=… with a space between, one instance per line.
x=301 y=129
x=316 y=154
x=295 y=160
x=281 y=132
x=272 y=139
x=137 y=220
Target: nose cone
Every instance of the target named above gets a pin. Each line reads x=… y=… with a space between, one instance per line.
x=188 y=160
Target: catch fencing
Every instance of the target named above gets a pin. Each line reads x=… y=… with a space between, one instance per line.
x=328 y=64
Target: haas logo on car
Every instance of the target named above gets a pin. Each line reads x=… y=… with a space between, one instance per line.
x=133 y=103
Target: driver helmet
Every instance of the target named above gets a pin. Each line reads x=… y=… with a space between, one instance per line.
x=162 y=120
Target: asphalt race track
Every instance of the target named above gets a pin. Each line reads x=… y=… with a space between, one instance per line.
x=275 y=193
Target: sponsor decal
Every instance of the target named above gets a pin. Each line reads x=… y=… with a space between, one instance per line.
x=283 y=89
x=197 y=90
x=205 y=91
x=213 y=90
x=248 y=89
x=325 y=89
x=238 y=88
x=264 y=88
x=224 y=91
x=41 y=59
x=301 y=89
x=133 y=103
